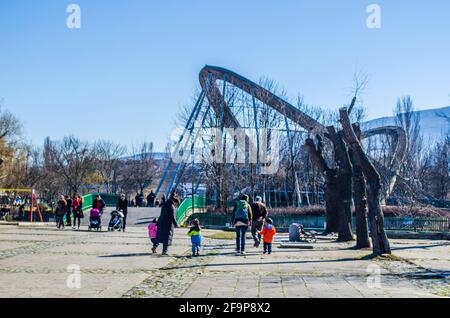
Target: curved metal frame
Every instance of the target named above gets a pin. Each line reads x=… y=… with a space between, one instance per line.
x=210 y=74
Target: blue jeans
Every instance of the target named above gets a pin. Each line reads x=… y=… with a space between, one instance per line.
x=195 y=248
x=241 y=231
x=268 y=248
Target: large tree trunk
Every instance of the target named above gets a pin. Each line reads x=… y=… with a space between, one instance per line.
x=332 y=206
x=344 y=181
x=380 y=242
x=331 y=185
x=359 y=198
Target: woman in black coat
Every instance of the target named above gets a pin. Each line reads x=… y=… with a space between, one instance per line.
x=166 y=224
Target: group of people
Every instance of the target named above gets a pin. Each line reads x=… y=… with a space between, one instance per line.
x=150 y=201
x=255 y=216
x=68 y=208
x=245 y=215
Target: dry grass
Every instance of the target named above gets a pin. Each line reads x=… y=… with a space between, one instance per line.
x=222 y=236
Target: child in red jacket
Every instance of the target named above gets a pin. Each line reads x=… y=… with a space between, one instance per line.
x=268 y=234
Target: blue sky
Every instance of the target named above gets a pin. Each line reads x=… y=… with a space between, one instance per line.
x=124 y=75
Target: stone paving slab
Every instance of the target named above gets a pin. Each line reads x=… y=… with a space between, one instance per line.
x=33 y=263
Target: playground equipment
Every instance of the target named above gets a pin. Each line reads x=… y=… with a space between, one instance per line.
x=230 y=101
x=15 y=193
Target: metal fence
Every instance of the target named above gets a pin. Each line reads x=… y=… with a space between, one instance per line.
x=418 y=224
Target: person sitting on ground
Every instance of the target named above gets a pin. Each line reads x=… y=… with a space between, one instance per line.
x=259 y=212
x=195 y=232
x=268 y=234
x=242 y=218
x=153 y=234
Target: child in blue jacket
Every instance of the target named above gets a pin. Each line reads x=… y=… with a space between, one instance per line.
x=195 y=232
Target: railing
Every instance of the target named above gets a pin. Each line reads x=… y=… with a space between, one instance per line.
x=110 y=200
x=187 y=207
x=418 y=224
x=318 y=222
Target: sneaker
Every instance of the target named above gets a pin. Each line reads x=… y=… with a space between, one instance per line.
x=265 y=252
x=243 y=253
x=238 y=253
x=154 y=250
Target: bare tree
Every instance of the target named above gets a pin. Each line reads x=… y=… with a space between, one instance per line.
x=107 y=160
x=379 y=238
x=72 y=160
x=141 y=169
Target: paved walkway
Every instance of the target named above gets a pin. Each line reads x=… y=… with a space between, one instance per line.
x=34 y=263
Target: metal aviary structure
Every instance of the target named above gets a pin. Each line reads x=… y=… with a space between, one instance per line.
x=229 y=100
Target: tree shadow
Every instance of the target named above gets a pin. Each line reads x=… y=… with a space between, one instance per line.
x=259 y=263
x=419 y=247
x=125 y=255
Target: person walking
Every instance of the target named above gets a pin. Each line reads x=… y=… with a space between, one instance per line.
x=68 y=210
x=60 y=211
x=140 y=200
x=151 y=199
x=259 y=212
x=195 y=232
x=77 y=210
x=153 y=234
x=122 y=205
x=167 y=222
x=268 y=234
x=241 y=221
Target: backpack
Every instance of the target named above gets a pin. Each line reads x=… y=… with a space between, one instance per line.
x=241 y=211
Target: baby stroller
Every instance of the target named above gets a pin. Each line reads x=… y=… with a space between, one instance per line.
x=116 y=223
x=95 y=221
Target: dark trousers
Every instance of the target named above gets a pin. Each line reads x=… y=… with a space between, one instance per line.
x=154 y=242
x=268 y=248
x=125 y=219
x=76 y=217
x=257 y=226
x=68 y=218
x=165 y=246
x=60 y=221
x=241 y=231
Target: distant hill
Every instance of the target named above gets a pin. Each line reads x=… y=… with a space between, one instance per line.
x=433 y=123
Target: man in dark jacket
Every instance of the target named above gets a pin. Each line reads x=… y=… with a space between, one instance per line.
x=122 y=205
x=259 y=211
x=68 y=210
x=151 y=199
x=167 y=222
